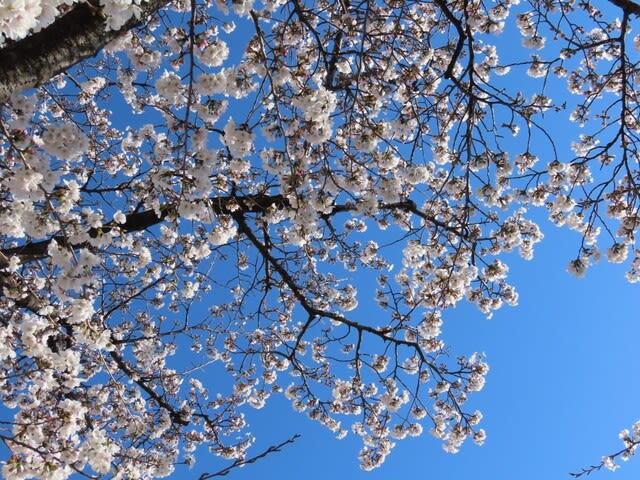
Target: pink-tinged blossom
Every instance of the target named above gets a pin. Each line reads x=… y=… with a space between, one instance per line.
x=215 y=54
x=118 y=12
x=239 y=141
x=317 y=106
x=98 y=450
x=65 y=141
x=17 y=17
x=170 y=87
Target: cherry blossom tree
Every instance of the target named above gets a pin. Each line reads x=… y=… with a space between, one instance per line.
x=197 y=190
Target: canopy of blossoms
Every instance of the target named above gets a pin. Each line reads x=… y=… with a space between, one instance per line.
x=193 y=192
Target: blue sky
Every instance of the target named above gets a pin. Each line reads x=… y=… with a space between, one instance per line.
x=563 y=383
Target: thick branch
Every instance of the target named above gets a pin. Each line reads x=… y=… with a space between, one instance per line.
x=628 y=6
x=138 y=221
x=8 y=283
x=77 y=35
x=36 y=250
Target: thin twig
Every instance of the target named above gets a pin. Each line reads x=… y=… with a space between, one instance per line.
x=242 y=462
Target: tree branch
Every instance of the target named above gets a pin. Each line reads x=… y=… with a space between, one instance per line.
x=457 y=24
x=138 y=221
x=135 y=222
x=628 y=6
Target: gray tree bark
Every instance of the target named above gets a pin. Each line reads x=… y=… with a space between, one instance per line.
x=77 y=35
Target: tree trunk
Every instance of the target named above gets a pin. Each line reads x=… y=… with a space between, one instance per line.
x=77 y=35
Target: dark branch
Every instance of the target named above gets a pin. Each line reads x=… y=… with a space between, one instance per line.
x=138 y=221
x=457 y=24
x=628 y=6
